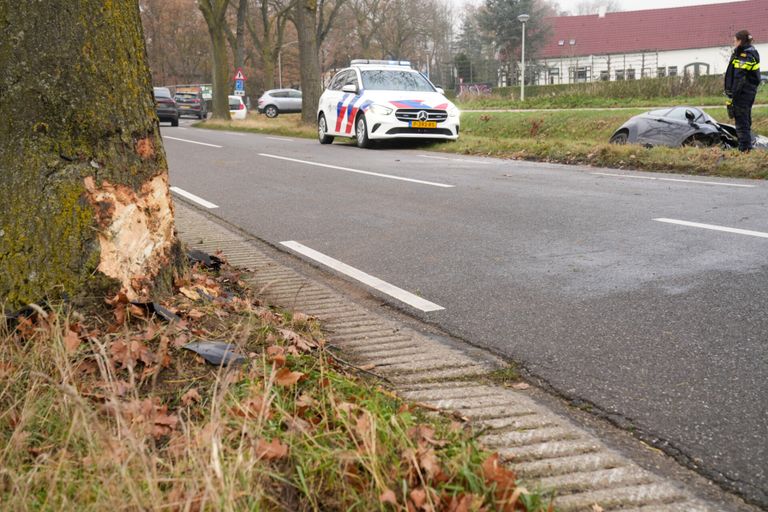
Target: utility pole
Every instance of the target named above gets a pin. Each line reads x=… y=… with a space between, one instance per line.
x=522 y=19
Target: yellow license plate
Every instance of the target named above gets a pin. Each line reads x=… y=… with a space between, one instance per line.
x=423 y=124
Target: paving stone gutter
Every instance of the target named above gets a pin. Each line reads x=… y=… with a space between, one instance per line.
x=546 y=449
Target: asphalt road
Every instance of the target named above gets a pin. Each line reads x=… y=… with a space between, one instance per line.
x=661 y=326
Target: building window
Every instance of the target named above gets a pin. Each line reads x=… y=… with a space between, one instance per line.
x=661 y=72
x=630 y=74
x=672 y=70
x=697 y=69
x=619 y=74
x=554 y=75
x=605 y=75
x=582 y=74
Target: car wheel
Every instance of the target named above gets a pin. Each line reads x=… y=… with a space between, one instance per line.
x=322 y=131
x=361 y=132
x=271 y=111
x=695 y=142
x=175 y=121
x=620 y=138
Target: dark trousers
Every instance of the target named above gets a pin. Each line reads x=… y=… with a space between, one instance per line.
x=742 y=113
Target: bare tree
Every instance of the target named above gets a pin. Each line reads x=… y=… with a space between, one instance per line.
x=83 y=176
x=215 y=14
x=237 y=40
x=177 y=44
x=267 y=30
x=314 y=20
x=368 y=16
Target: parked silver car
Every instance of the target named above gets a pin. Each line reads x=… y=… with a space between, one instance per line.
x=280 y=101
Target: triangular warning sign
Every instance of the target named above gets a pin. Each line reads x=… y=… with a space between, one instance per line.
x=239 y=74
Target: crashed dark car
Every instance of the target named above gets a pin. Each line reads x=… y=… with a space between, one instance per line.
x=680 y=126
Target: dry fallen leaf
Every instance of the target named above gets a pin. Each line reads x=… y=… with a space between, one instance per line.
x=597 y=508
x=71 y=341
x=271 y=451
x=388 y=496
x=297 y=340
x=285 y=377
x=276 y=354
x=191 y=397
x=189 y=293
x=418 y=498
x=521 y=385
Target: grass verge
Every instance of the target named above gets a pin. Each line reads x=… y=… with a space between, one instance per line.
x=104 y=411
x=567 y=137
x=648 y=92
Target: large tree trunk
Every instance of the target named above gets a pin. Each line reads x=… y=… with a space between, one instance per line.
x=84 y=198
x=215 y=14
x=309 y=59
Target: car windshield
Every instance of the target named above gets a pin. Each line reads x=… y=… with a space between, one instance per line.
x=162 y=92
x=394 y=80
x=186 y=95
x=678 y=113
x=234 y=104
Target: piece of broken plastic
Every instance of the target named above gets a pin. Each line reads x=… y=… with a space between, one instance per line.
x=207 y=260
x=155 y=308
x=216 y=353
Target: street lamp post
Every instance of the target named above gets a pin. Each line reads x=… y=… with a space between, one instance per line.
x=522 y=19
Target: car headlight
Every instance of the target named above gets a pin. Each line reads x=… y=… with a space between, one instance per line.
x=453 y=111
x=380 y=110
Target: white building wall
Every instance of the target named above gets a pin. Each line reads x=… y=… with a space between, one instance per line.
x=572 y=68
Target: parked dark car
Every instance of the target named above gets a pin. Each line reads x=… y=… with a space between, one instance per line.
x=191 y=103
x=165 y=106
x=680 y=126
x=280 y=101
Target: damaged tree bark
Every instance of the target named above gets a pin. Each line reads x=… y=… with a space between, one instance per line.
x=84 y=198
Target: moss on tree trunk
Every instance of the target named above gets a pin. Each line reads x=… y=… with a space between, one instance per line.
x=83 y=175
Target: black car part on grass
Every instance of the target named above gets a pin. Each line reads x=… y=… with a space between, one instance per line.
x=153 y=308
x=216 y=353
x=679 y=126
x=206 y=260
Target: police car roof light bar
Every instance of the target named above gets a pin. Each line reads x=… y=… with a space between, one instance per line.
x=381 y=62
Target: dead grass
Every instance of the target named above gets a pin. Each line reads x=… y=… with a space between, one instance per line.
x=288 y=125
x=107 y=412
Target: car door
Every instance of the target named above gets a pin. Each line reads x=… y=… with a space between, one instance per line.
x=280 y=100
x=294 y=101
x=350 y=104
x=653 y=128
x=333 y=101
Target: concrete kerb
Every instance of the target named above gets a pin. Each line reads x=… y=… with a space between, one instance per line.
x=549 y=450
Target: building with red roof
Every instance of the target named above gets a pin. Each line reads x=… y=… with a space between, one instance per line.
x=650 y=43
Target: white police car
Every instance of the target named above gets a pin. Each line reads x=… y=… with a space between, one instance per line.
x=375 y=100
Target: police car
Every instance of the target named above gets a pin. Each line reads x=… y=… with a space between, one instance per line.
x=376 y=100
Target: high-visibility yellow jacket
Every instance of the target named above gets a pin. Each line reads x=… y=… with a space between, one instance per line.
x=743 y=74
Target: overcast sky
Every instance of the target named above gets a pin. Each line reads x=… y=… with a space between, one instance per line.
x=626 y=5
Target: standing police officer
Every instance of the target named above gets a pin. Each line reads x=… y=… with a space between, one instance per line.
x=741 y=81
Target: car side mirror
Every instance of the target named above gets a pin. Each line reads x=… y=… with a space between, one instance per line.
x=690 y=116
x=440 y=90
x=351 y=88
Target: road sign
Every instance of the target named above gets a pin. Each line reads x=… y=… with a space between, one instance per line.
x=239 y=92
x=239 y=74
x=239 y=85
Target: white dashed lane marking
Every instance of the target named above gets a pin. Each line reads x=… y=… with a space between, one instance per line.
x=679 y=180
x=713 y=227
x=357 y=171
x=192 y=197
x=367 y=279
x=192 y=141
